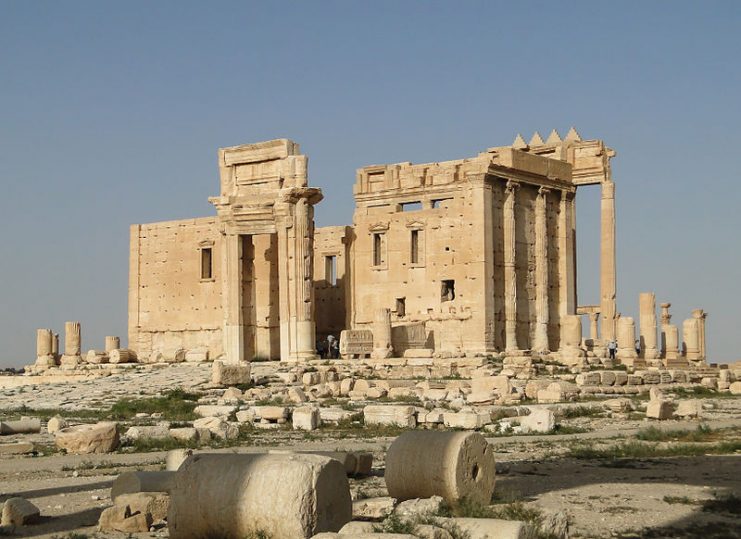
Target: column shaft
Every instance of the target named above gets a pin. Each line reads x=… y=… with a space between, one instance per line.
x=510 y=277
x=540 y=343
x=607 y=262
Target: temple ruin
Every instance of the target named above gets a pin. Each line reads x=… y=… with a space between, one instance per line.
x=471 y=256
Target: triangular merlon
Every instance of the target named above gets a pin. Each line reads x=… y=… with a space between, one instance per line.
x=573 y=136
x=553 y=138
x=537 y=140
x=519 y=143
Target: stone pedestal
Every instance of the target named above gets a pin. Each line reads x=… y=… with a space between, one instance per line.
x=382 y=347
x=647 y=309
x=72 y=345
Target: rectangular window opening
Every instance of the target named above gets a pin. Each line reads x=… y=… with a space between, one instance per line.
x=207 y=263
x=377 y=244
x=439 y=203
x=401 y=307
x=411 y=206
x=330 y=270
x=447 y=290
x=415 y=247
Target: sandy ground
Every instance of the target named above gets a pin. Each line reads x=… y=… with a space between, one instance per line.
x=603 y=498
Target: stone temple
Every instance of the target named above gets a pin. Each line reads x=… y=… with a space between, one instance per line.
x=471 y=256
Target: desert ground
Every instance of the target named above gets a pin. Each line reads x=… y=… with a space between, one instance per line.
x=601 y=474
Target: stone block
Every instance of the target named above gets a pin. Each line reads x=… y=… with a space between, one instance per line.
x=466 y=419
x=539 y=420
x=735 y=388
x=217 y=427
x=19 y=512
x=230 y=374
x=120 y=518
x=153 y=432
x=659 y=409
x=184 y=434
x=689 y=408
x=84 y=439
x=135 y=482
x=305 y=418
x=55 y=424
x=373 y=508
x=396 y=415
x=214 y=410
x=271 y=413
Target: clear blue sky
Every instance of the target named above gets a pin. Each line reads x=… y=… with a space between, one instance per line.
x=111 y=114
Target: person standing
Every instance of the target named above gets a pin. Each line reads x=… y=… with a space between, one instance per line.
x=612 y=348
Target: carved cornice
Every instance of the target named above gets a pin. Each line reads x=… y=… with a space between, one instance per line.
x=380 y=226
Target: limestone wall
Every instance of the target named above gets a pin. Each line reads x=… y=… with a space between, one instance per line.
x=171 y=306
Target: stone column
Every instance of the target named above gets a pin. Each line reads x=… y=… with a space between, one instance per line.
x=382 y=347
x=672 y=357
x=295 y=224
x=305 y=325
x=666 y=319
x=72 y=345
x=44 y=348
x=691 y=337
x=671 y=335
x=593 y=327
x=112 y=343
x=232 y=279
x=626 y=334
x=700 y=315
x=647 y=311
x=608 y=308
x=566 y=255
x=55 y=345
x=540 y=340
x=510 y=276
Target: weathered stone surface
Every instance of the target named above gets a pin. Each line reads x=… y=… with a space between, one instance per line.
x=305 y=418
x=135 y=482
x=735 y=388
x=689 y=408
x=214 y=410
x=26 y=425
x=82 y=439
x=17 y=448
x=420 y=507
x=231 y=374
x=539 y=420
x=149 y=432
x=19 y=512
x=397 y=415
x=175 y=458
x=466 y=419
x=226 y=496
x=464 y=464
x=120 y=518
x=373 y=508
x=484 y=528
x=217 y=426
x=659 y=409
x=122 y=355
